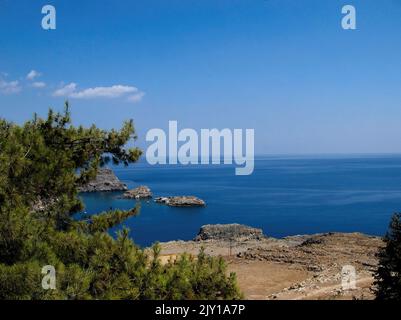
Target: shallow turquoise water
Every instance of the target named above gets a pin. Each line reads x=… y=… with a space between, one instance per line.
x=284 y=196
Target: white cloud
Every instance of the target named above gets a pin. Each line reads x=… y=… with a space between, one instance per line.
x=136 y=97
x=65 y=91
x=115 y=91
x=38 y=84
x=33 y=74
x=9 y=87
x=106 y=92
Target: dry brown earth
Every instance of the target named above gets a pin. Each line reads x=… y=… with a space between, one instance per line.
x=298 y=267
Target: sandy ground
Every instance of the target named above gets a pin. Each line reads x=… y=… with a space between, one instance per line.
x=299 y=267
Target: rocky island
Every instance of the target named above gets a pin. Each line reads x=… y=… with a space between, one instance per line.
x=181 y=201
x=105 y=180
x=141 y=192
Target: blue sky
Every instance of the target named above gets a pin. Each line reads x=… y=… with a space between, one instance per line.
x=283 y=67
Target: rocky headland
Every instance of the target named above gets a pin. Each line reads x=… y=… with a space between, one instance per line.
x=105 y=181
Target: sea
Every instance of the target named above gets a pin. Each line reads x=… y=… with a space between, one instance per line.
x=285 y=195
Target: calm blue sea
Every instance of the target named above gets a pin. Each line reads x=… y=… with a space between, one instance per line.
x=284 y=196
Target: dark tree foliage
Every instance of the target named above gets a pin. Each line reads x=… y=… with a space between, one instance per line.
x=42 y=164
x=388 y=274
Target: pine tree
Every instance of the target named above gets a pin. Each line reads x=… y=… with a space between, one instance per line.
x=388 y=274
x=42 y=164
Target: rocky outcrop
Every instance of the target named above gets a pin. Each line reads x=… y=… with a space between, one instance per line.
x=291 y=268
x=141 y=192
x=324 y=250
x=105 y=180
x=181 y=201
x=228 y=232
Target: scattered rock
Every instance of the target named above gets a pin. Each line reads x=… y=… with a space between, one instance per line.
x=314 y=268
x=105 y=180
x=295 y=286
x=311 y=241
x=141 y=192
x=229 y=232
x=182 y=201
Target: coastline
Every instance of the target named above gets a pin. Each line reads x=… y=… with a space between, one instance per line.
x=283 y=197
x=294 y=267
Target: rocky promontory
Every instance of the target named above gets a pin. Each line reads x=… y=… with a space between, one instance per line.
x=181 y=201
x=105 y=180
